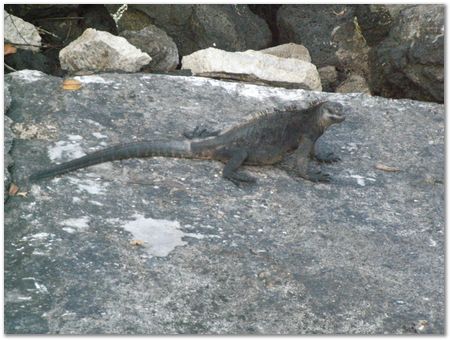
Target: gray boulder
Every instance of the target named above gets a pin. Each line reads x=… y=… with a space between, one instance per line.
x=101 y=51
x=329 y=32
x=328 y=77
x=157 y=44
x=354 y=83
x=195 y=27
x=410 y=61
x=254 y=67
x=364 y=254
x=377 y=20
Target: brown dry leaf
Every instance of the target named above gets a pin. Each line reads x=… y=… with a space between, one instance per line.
x=386 y=168
x=71 y=84
x=9 y=49
x=13 y=190
x=137 y=242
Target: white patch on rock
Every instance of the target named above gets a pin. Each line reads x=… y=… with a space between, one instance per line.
x=99 y=135
x=69 y=230
x=74 y=137
x=160 y=236
x=102 y=51
x=88 y=185
x=77 y=223
x=38 y=236
x=93 y=79
x=65 y=150
x=28 y=75
x=248 y=90
x=362 y=180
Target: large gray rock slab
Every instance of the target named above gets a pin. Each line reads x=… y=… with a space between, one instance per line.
x=409 y=63
x=361 y=255
x=253 y=66
x=101 y=51
x=21 y=33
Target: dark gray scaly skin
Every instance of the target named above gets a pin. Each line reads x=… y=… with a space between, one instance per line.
x=264 y=140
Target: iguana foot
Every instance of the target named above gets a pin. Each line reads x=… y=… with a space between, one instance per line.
x=316 y=177
x=240 y=178
x=329 y=158
x=200 y=132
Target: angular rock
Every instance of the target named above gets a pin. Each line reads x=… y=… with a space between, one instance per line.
x=409 y=63
x=354 y=84
x=195 y=27
x=328 y=78
x=329 y=32
x=376 y=20
x=364 y=254
x=290 y=50
x=253 y=66
x=20 y=33
x=131 y=18
x=157 y=44
x=101 y=51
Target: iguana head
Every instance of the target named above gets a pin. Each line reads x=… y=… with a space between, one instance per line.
x=330 y=113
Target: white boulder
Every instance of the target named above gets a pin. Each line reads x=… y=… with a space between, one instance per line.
x=102 y=51
x=20 y=33
x=255 y=67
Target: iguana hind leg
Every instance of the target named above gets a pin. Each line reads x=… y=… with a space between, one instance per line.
x=237 y=158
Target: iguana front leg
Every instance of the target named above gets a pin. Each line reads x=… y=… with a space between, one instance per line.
x=236 y=159
x=328 y=158
x=303 y=153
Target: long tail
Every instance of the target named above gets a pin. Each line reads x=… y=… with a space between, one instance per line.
x=181 y=149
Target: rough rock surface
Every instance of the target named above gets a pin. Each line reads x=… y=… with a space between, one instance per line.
x=361 y=255
x=29 y=60
x=101 y=51
x=410 y=61
x=195 y=27
x=253 y=66
x=354 y=83
x=30 y=12
x=8 y=141
x=376 y=20
x=21 y=33
x=290 y=50
x=157 y=44
x=329 y=32
x=328 y=78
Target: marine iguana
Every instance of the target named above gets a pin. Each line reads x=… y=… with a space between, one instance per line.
x=263 y=140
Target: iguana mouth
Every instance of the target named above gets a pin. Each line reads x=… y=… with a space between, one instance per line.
x=337 y=118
